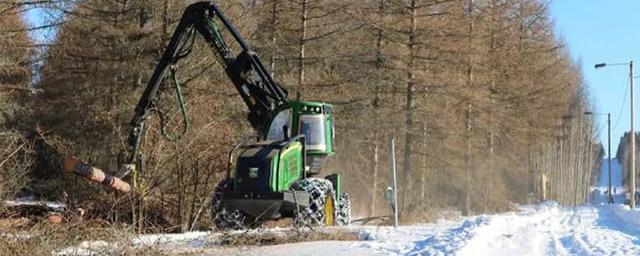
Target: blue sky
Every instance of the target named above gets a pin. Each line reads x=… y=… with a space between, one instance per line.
x=37 y=17
x=597 y=31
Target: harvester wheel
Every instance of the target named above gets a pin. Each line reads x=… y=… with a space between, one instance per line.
x=322 y=207
x=343 y=211
x=223 y=217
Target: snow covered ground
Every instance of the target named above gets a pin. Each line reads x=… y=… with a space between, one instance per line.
x=544 y=229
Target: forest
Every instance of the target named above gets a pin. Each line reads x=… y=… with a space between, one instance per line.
x=482 y=98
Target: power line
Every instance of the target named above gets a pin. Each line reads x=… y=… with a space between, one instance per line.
x=624 y=100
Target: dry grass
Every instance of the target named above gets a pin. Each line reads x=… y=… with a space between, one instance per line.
x=49 y=239
x=284 y=237
x=21 y=236
x=31 y=238
x=15 y=161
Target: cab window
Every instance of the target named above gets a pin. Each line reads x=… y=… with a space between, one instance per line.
x=312 y=126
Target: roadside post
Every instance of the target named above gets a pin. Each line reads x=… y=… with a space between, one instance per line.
x=391 y=193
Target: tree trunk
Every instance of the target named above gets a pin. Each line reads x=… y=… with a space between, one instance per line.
x=466 y=211
x=301 y=47
x=166 y=19
x=410 y=102
x=376 y=112
x=425 y=166
x=274 y=24
x=467 y=165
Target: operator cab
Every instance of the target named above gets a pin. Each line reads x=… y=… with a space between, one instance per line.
x=315 y=121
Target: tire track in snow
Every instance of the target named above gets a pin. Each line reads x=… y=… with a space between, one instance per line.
x=523 y=233
x=550 y=230
x=606 y=234
x=449 y=241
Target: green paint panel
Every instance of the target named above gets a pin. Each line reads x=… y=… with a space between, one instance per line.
x=290 y=167
x=274 y=174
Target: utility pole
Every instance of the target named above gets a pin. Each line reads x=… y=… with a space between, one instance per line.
x=632 y=138
x=609 y=154
x=632 y=201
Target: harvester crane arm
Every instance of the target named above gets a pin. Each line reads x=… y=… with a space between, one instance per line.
x=275 y=177
x=245 y=70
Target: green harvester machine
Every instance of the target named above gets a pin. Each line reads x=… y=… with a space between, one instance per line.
x=276 y=176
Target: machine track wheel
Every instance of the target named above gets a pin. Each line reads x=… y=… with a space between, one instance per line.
x=322 y=207
x=343 y=211
x=224 y=218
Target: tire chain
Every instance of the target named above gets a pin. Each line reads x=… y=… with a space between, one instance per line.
x=318 y=190
x=222 y=217
x=343 y=212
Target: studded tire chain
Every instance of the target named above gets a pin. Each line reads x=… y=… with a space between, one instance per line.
x=319 y=189
x=343 y=212
x=222 y=217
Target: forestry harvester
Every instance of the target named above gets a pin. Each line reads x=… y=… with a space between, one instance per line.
x=276 y=176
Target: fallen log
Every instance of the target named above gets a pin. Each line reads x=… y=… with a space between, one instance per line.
x=73 y=165
x=58 y=157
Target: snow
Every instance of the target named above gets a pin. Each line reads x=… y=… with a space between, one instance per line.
x=628 y=216
x=543 y=229
x=30 y=202
x=334 y=248
x=88 y=248
x=552 y=230
x=155 y=239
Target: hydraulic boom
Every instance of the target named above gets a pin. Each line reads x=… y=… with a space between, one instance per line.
x=246 y=71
